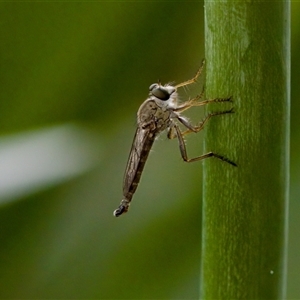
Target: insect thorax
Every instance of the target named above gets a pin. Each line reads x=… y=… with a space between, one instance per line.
x=150 y=114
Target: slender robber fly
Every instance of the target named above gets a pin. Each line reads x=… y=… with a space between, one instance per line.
x=159 y=112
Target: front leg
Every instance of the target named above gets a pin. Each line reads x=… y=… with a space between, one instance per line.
x=194 y=79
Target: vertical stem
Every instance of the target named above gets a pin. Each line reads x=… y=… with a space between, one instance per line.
x=245 y=208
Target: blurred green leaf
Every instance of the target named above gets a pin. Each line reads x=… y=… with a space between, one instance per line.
x=90 y=64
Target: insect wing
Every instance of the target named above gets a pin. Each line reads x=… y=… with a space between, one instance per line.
x=142 y=141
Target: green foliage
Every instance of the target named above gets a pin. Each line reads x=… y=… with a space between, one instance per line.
x=73 y=75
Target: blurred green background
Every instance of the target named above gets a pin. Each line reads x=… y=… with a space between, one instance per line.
x=72 y=78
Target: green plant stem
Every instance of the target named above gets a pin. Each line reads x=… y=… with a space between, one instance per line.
x=245 y=207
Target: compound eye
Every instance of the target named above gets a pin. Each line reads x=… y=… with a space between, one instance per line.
x=160 y=92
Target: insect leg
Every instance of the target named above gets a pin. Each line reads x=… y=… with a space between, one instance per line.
x=194 y=79
x=193 y=102
x=183 y=151
x=199 y=127
x=171 y=133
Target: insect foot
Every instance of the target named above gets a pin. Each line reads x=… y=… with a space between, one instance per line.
x=223 y=158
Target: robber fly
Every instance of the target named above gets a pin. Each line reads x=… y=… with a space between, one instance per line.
x=159 y=112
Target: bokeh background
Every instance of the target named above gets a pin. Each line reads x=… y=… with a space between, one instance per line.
x=72 y=78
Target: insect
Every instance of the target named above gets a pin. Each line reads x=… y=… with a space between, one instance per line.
x=159 y=112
